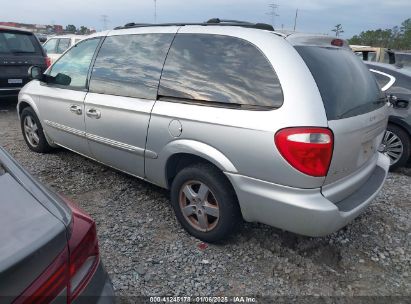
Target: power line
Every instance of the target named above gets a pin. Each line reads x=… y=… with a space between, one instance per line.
x=273 y=12
x=104 y=20
x=155 y=11
x=295 y=19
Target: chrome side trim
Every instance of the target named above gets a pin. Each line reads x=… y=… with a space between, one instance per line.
x=389 y=84
x=151 y=154
x=65 y=128
x=115 y=144
x=103 y=140
x=10 y=89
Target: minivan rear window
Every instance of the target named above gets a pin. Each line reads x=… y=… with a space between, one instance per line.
x=12 y=42
x=346 y=85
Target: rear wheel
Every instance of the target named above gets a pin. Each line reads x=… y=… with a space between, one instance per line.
x=205 y=203
x=396 y=145
x=33 y=131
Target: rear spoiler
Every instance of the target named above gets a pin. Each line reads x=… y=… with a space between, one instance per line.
x=317 y=40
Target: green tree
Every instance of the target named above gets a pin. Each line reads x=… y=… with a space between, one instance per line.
x=338 y=30
x=84 y=30
x=399 y=37
x=71 y=28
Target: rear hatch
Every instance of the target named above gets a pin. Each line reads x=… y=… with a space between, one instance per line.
x=30 y=237
x=355 y=107
x=18 y=51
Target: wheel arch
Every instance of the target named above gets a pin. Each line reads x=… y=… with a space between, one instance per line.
x=27 y=102
x=399 y=122
x=181 y=153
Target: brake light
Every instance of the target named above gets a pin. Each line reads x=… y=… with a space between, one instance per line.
x=308 y=150
x=73 y=267
x=83 y=248
x=337 y=42
x=48 y=61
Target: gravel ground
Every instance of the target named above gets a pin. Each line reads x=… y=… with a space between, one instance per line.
x=146 y=252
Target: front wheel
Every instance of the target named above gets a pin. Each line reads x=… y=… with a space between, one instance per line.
x=396 y=145
x=205 y=203
x=33 y=131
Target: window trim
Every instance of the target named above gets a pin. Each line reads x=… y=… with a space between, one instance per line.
x=58 y=45
x=389 y=83
x=214 y=104
x=55 y=46
x=133 y=34
x=219 y=104
x=76 y=88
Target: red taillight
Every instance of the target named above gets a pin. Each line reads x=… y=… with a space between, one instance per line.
x=309 y=150
x=83 y=248
x=48 y=61
x=49 y=284
x=73 y=268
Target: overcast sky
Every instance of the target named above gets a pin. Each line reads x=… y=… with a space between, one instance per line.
x=318 y=16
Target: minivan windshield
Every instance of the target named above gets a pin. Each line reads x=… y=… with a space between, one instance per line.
x=12 y=42
x=346 y=85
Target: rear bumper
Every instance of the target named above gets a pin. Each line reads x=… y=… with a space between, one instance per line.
x=9 y=92
x=99 y=290
x=304 y=211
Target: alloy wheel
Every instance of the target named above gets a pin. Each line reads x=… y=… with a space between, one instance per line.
x=392 y=146
x=199 y=205
x=31 y=131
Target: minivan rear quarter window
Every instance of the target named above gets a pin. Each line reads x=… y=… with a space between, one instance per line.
x=346 y=85
x=221 y=70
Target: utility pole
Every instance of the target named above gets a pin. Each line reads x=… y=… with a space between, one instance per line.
x=295 y=19
x=273 y=12
x=104 y=21
x=155 y=11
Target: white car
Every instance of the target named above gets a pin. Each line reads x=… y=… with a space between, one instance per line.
x=57 y=45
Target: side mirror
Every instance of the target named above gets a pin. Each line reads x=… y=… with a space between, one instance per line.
x=398 y=103
x=35 y=72
x=62 y=79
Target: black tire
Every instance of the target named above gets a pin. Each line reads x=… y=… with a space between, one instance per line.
x=230 y=218
x=42 y=146
x=406 y=143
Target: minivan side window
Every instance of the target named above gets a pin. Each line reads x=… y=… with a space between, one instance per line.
x=75 y=64
x=219 y=70
x=130 y=65
x=50 y=46
x=63 y=45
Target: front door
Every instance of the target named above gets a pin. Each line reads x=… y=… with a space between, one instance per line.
x=61 y=99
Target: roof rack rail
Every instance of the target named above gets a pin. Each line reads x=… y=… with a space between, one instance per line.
x=211 y=22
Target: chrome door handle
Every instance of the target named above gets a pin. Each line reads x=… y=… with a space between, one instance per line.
x=93 y=113
x=76 y=109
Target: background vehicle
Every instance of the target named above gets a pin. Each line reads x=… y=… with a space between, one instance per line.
x=383 y=55
x=234 y=118
x=49 y=246
x=19 y=50
x=57 y=45
x=374 y=54
x=403 y=59
x=396 y=82
x=41 y=37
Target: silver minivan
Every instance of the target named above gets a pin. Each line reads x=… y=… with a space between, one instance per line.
x=239 y=121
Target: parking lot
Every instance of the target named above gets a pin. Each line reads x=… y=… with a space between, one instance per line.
x=146 y=252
